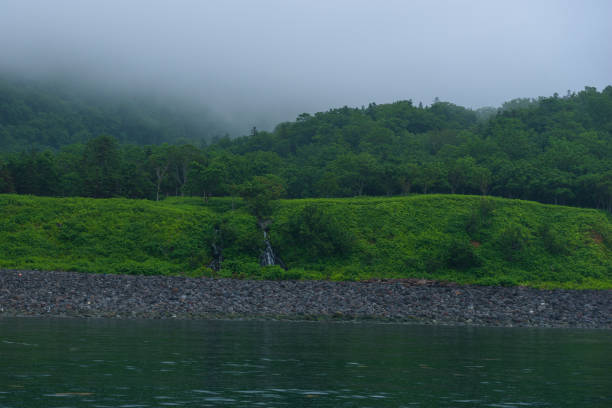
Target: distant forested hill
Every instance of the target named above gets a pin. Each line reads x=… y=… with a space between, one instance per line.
x=551 y=149
x=47 y=114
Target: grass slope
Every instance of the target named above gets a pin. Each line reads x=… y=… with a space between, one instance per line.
x=465 y=239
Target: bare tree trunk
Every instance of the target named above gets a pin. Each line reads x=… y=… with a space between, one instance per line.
x=185 y=172
x=160 y=173
x=360 y=188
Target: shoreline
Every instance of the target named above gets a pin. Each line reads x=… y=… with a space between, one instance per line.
x=73 y=294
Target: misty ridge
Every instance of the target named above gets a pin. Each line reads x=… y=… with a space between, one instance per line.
x=48 y=113
x=148 y=99
x=51 y=113
x=257 y=64
x=62 y=140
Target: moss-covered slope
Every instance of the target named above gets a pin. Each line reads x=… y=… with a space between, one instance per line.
x=450 y=237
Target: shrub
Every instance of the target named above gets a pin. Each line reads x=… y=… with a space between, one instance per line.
x=317 y=234
x=552 y=240
x=149 y=267
x=480 y=217
x=512 y=240
x=239 y=269
x=434 y=262
x=238 y=235
x=260 y=194
x=275 y=272
x=462 y=255
x=603 y=233
x=501 y=280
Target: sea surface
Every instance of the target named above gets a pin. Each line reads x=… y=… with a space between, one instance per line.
x=137 y=363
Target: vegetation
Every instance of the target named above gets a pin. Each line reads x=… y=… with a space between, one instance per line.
x=213 y=199
x=554 y=150
x=40 y=115
x=461 y=238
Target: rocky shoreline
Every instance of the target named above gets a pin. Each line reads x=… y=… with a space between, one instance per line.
x=59 y=294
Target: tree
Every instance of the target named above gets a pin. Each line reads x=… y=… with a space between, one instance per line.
x=6 y=181
x=207 y=180
x=101 y=164
x=481 y=177
x=357 y=172
x=159 y=161
x=460 y=173
x=316 y=233
x=260 y=194
x=182 y=158
x=604 y=191
x=431 y=173
x=33 y=173
x=136 y=180
x=71 y=175
x=408 y=174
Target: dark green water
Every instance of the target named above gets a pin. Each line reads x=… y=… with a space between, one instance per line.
x=113 y=363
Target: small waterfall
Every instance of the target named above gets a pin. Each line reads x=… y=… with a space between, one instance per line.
x=215 y=264
x=268 y=257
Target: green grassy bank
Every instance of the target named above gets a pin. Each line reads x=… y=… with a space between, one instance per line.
x=466 y=239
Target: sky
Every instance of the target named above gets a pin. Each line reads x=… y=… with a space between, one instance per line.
x=261 y=62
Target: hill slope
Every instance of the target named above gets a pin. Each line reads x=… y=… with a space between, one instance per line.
x=555 y=150
x=36 y=115
x=448 y=237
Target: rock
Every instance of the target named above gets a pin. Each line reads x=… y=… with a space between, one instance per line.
x=104 y=295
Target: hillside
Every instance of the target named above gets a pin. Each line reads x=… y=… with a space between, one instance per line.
x=39 y=115
x=555 y=150
x=465 y=239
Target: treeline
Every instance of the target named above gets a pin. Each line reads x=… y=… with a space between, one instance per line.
x=553 y=150
x=39 y=115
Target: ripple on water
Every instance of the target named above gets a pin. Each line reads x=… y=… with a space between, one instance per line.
x=20 y=343
x=219 y=399
x=468 y=401
x=314 y=393
x=136 y=382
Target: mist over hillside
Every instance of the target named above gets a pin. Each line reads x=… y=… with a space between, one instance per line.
x=553 y=149
x=51 y=113
x=256 y=64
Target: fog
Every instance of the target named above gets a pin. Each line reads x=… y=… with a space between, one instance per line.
x=257 y=63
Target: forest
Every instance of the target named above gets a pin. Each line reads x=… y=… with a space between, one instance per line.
x=36 y=115
x=379 y=192
x=555 y=150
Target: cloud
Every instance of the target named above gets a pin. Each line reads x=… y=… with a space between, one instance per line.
x=258 y=63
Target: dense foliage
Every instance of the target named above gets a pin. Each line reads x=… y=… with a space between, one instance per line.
x=552 y=150
x=39 y=115
x=448 y=237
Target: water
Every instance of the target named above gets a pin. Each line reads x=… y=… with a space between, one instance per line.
x=115 y=363
x=268 y=257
